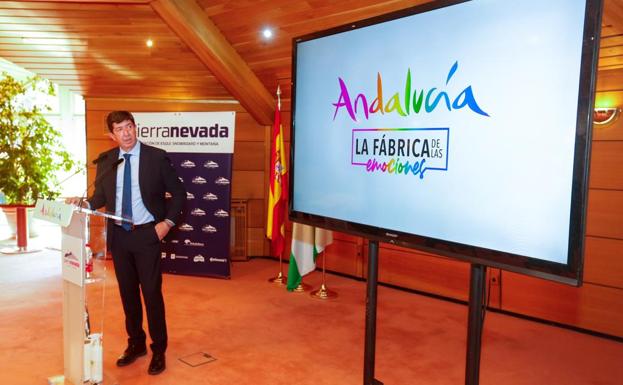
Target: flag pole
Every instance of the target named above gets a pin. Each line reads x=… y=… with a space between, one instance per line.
x=280 y=279
x=323 y=292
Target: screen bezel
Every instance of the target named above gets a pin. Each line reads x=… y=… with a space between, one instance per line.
x=569 y=273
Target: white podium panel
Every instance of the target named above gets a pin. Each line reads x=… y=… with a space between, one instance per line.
x=73 y=249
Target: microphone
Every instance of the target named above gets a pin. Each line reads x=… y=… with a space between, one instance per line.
x=101 y=176
x=80 y=169
x=58 y=184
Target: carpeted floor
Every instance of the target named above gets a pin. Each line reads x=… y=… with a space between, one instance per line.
x=260 y=334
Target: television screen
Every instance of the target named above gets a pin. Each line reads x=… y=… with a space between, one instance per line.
x=461 y=128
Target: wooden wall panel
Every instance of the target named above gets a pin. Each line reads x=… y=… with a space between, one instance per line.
x=96 y=124
x=249 y=156
x=603 y=262
x=347 y=237
x=285 y=122
x=248 y=181
x=607 y=165
x=256 y=214
x=247 y=185
x=610 y=80
x=344 y=256
x=96 y=147
x=592 y=306
x=422 y=271
x=247 y=130
x=605 y=213
x=256 y=242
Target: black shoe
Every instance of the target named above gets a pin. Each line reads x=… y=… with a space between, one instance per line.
x=157 y=365
x=131 y=354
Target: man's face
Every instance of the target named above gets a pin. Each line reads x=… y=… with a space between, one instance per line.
x=124 y=134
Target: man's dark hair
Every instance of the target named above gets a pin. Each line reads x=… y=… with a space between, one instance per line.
x=118 y=117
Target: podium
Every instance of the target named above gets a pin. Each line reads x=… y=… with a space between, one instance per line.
x=84 y=276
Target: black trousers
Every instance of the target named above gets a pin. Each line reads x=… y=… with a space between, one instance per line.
x=136 y=256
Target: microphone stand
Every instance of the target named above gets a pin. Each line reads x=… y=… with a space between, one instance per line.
x=99 y=178
x=81 y=169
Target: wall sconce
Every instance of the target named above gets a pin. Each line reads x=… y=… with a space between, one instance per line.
x=603 y=116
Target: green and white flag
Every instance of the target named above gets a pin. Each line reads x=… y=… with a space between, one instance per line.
x=307 y=243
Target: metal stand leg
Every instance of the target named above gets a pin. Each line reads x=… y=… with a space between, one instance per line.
x=475 y=324
x=370 y=342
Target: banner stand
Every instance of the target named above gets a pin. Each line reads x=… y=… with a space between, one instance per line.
x=200 y=147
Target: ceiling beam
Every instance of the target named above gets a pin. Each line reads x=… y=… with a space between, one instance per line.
x=193 y=26
x=84 y=1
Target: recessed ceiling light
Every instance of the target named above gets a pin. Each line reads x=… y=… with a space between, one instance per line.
x=267 y=33
x=149 y=43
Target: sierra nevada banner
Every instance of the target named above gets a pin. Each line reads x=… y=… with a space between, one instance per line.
x=200 y=146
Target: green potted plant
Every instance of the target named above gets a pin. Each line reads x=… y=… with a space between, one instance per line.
x=31 y=151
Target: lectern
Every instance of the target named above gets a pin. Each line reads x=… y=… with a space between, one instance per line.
x=84 y=277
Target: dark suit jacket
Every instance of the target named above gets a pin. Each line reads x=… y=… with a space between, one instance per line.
x=156 y=176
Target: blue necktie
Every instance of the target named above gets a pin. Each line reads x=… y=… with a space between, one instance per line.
x=126 y=200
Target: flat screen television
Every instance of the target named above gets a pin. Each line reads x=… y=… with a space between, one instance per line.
x=461 y=128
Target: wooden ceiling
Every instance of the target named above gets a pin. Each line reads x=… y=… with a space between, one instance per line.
x=203 y=49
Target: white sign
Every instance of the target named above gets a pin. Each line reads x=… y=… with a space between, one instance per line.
x=52 y=211
x=72 y=250
x=211 y=132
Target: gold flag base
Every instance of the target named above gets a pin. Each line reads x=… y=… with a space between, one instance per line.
x=302 y=287
x=323 y=293
x=279 y=279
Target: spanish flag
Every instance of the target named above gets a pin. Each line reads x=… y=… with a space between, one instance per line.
x=278 y=192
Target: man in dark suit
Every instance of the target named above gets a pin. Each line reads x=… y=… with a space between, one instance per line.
x=136 y=190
